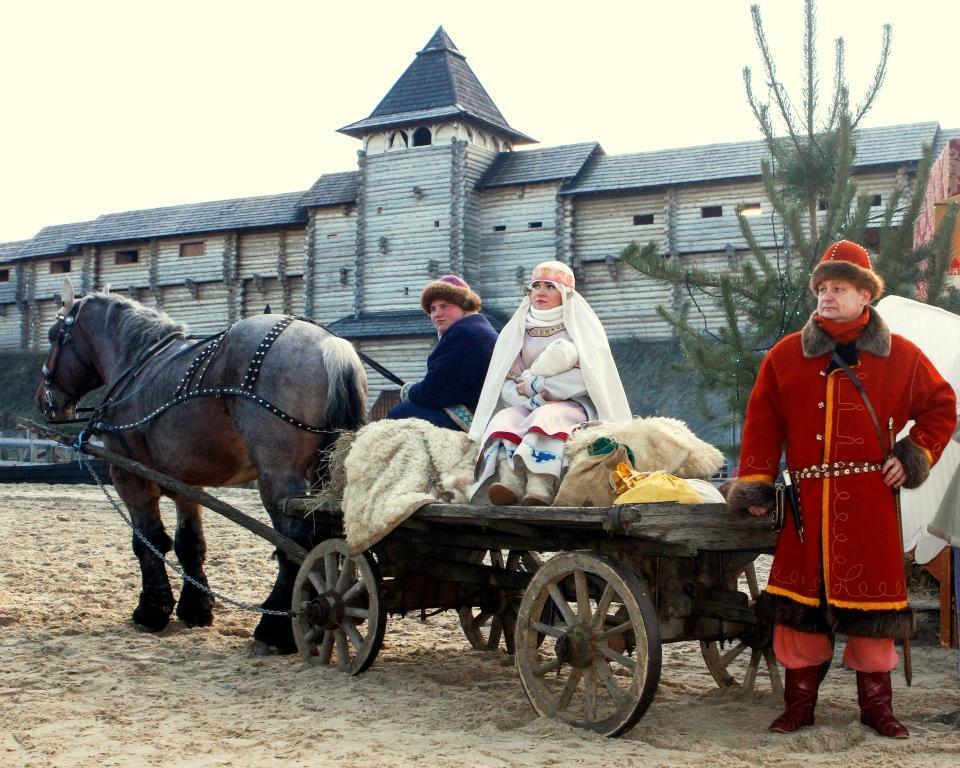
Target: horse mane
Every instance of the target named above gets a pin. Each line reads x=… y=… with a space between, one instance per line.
x=135 y=325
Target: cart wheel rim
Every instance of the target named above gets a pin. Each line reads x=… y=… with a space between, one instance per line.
x=339 y=608
x=599 y=663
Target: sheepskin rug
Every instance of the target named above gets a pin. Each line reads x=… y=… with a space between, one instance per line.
x=394 y=467
x=658 y=443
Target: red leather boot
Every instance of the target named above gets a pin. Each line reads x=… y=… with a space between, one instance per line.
x=875 y=696
x=800 y=696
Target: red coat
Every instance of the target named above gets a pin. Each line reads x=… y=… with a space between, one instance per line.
x=852 y=555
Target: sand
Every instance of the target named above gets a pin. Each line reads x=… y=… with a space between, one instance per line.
x=80 y=685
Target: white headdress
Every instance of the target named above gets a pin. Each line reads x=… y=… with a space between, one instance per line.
x=596 y=361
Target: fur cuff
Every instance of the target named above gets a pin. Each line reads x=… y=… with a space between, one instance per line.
x=774 y=609
x=914 y=460
x=880 y=624
x=745 y=494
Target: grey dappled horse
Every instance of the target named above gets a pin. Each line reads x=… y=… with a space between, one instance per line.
x=206 y=441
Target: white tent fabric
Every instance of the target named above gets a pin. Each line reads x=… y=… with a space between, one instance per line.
x=937 y=333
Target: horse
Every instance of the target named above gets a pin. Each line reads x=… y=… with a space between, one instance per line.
x=283 y=365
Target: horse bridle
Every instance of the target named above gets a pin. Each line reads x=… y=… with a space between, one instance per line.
x=64 y=336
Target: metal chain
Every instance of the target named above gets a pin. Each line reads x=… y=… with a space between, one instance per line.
x=81 y=457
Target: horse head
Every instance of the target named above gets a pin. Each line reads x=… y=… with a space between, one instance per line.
x=68 y=373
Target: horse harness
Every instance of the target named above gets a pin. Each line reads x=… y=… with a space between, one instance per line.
x=191 y=385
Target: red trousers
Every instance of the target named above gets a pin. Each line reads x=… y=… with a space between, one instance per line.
x=796 y=649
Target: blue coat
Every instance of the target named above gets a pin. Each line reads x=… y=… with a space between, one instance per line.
x=457 y=366
x=455 y=372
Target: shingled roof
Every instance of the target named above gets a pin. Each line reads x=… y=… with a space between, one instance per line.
x=240 y=213
x=332 y=189
x=538 y=165
x=54 y=240
x=10 y=251
x=438 y=84
x=379 y=324
x=887 y=145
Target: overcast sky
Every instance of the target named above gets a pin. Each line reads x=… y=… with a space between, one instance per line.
x=112 y=106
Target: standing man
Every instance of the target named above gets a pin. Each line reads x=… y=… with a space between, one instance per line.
x=457 y=366
x=845 y=573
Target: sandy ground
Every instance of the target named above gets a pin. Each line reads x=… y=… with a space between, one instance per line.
x=81 y=686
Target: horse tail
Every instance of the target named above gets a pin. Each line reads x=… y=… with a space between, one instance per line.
x=346 y=406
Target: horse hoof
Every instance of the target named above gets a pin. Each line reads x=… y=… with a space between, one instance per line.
x=151 y=621
x=196 y=618
x=197 y=612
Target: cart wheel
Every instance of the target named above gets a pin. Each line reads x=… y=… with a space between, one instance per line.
x=492 y=627
x=586 y=672
x=741 y=665
x=339 y=611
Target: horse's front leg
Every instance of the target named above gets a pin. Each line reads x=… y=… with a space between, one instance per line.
x=276 y=632
x=142 y=500
x=195 y=606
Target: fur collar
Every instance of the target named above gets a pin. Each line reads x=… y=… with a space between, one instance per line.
x=875 y=338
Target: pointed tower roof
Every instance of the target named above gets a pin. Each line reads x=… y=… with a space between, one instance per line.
x=438 y=84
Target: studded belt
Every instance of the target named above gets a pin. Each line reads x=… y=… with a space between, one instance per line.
x=837 y=469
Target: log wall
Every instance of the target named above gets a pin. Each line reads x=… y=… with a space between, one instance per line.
x=406 y=231
x=510 y=254
x=333 y=276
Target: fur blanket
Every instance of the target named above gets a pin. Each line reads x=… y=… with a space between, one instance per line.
x=394 y=467
x=657 y=442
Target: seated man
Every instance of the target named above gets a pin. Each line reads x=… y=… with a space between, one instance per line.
x=448 y=394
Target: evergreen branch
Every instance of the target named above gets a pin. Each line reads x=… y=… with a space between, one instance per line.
x=878 y=78
x=774 y=84
x=810 y=59
x=938 y=263
x=840 y=96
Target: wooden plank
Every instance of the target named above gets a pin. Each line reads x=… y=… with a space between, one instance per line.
x=690 y=527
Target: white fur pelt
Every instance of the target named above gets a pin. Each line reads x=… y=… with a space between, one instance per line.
x=397 y=466
x=657 y=442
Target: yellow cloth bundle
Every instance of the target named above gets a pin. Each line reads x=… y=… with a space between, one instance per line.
x=642 y=487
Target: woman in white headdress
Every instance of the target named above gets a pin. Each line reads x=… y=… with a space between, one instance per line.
x=551 y=370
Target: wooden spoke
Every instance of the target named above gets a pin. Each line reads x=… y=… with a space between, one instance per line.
x=547 y=629
x=330 y=567
x=603 y=605
x=590 y=692
x=613 y=631
x=561 y=602
x=329 y=605
x=326 y=649
x=730 y=655
x=569 y=688
x=492 y=630
x=733 y=668
x=355 y=591
x=350 y=630
x=317 y=581
x=608 y=653
x=565 y=667
x=583 y=597
x=610 y=682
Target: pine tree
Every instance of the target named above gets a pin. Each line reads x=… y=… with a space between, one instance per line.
x=814 y=201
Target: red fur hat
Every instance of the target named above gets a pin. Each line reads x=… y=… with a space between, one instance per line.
x=452 y=288
x=844 y=260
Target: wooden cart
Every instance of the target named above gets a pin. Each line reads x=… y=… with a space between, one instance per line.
x=583 y=597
